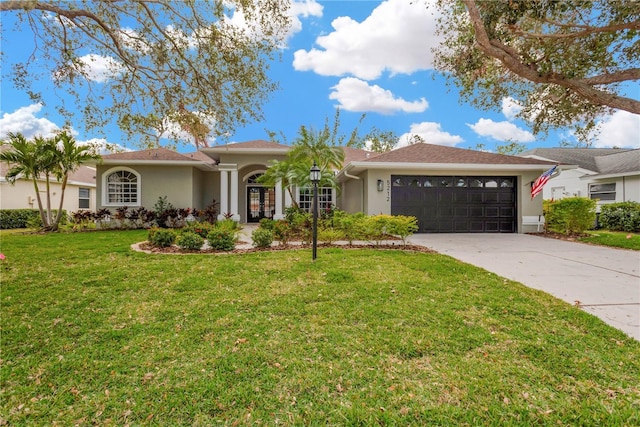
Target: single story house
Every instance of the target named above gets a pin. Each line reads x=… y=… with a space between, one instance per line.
x=447 y=189
x=79 y=194
x=606 y=174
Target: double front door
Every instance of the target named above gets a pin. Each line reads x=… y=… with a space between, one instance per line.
x=260 y=203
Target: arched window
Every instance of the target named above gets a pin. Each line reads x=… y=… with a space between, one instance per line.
x=121 y=187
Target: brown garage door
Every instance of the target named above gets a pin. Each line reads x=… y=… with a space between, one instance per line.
x=456 y=204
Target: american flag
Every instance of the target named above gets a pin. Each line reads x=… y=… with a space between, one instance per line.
x=537 y=185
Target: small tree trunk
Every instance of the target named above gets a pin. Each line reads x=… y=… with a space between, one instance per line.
x=43 y=217
x=56 y=223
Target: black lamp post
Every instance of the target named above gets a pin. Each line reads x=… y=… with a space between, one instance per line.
x=314 y=176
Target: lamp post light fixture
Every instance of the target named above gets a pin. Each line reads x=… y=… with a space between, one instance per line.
x=314 y=176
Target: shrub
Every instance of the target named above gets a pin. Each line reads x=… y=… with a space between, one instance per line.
x=351 y=225
x=402 y=226
x=330 y=235
x=623 y=216
x=221 y=239
x=190 y=241
x=17 y=218
x=161 y=238
x=228 y=224
x=163 y=210
x=202 y=229
x=82 y=219
x=282 y=231
x=571 y=215
x=267 y=223
x=210 y=213
x=262 y=238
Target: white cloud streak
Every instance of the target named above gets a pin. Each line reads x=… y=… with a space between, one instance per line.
x=357 y=95
x=501 y=131
x=431 y=133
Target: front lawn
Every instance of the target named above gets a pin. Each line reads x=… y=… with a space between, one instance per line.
x=93 y=333
x=614 y=239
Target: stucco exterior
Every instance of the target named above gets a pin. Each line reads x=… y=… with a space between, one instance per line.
x=227 y=174
x=22 y=194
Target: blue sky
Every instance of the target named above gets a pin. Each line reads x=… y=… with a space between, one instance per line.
x=369 y=57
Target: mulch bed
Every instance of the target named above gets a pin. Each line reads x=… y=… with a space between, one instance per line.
x=175 y=250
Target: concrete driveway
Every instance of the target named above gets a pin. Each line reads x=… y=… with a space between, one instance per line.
x=604 y=281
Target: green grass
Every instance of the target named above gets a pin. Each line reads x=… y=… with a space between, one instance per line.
x=614 y=239
x=95 y=334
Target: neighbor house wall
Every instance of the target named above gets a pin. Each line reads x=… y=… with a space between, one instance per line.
x=566 y=184
x=22 y=195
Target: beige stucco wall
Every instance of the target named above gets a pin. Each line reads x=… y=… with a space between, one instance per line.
x=351 y=198
x=22 y=195
x=206 y=188
x=155 y=181
x=379 y=202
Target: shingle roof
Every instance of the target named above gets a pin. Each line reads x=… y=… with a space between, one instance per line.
x=356 y=154
x=430 y=153
x=627 y=161
x=257 y=144
x=586 y=158
x=155 y=154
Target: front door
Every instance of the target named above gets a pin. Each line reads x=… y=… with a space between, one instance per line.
x=260 y=203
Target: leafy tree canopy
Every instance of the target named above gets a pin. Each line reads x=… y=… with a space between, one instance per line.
x=194 y=66
x=565 y=62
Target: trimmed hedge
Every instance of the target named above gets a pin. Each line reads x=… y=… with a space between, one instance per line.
x=622 y=216
x=24 y=218
x=17 y=218
x=571 y=215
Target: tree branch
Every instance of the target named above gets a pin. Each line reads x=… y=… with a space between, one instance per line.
x=511 y=60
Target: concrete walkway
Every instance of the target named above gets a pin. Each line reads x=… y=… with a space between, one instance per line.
x=603 y=281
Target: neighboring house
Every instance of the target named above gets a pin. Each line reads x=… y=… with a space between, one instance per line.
x=447 y=189
x=606 y=174
x=79 y=194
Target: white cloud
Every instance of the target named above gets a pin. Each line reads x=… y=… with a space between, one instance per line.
x=398 y=36
x=431 y=133
x=100 y=68
x=357 y=95
x=102 y=146
x=296 y=10
x=302 y=9
x=510 y=108
x=621 y=129
x=24 y=121
x=501 y=131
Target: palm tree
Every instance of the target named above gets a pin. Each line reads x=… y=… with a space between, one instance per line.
x=68 y=158
x=282 y=171
x=316 y=146
x=24 y=161
x=45 y=157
